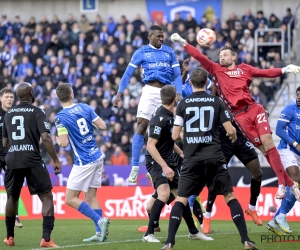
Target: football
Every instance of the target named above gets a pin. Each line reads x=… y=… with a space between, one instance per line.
x=206 y=37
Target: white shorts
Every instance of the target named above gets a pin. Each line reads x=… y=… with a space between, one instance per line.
x=84 y=177
x=288 y=158
x=149 y=102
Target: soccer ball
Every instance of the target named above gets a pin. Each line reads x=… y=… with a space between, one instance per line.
x=206 y=37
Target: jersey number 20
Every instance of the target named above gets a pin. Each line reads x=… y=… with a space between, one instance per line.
x=199 y=115
x=83 y=127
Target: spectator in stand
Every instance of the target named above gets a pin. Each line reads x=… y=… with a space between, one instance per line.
x=260 y=19
x=231 y=20
x=178 y=20
x=111 y=25
x=98 y=24
x=248 y=17
x=286 y=20
x=119 y=157
x=83 y=24
x=274 y=21
x=22 y=70
x=190 y=22
x=248 y=40
x=259 y=97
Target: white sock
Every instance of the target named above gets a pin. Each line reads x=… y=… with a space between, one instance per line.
x=207 y=215
x=252 y=207
x=281 y=215
x=98 y=234
x=135 y=167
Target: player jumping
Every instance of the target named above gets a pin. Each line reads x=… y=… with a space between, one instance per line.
x=232 y=83
x=287 y=129
x=160 y=65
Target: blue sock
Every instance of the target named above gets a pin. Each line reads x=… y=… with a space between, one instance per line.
x=85 y=209
x=99 y=212
x=191 y=200
x=137 y=145
x=287 y=202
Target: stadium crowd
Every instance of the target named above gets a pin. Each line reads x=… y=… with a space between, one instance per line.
x=92 y=55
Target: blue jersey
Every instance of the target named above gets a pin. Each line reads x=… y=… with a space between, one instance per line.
x=158 y=64
x=78 y=121
x=187 y=88
x=288 y=127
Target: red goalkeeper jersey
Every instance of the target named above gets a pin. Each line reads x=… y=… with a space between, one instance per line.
x=232 y=84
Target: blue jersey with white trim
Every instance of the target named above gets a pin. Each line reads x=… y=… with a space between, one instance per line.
x=78 y=120
x=187 y=88
x=157 y=63
x=290 y=121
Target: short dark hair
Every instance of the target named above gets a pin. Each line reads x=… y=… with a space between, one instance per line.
x=154 y=27
x=6 y=90
x=229 y=48
x=64 y=92
x=167 y=94
x=198 y=77
x=298 y=89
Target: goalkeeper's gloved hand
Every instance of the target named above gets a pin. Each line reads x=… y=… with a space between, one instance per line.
x=291 y=68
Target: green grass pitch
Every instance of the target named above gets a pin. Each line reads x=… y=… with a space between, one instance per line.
x=123 y=235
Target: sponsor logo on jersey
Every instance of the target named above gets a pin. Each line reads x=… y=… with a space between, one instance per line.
x=75 y=110
x=159 y=64
x=202 y=99
x=161 y=118
x=167 y=54
x=157 y=130
x=235 y=73
x=20 y=110
x=46 y=125
x=87 y=139
x=148 y=54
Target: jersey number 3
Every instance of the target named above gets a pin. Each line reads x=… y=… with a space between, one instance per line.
x=20 y=134
x=83 y=127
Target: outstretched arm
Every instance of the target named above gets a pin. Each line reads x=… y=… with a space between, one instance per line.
x=194 y=52
x=274 y=72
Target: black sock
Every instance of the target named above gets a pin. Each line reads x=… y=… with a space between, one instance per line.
x=254 y=190
x=158 y=205
x=174 y=223
x=48 y=225
x=10 y=226
x=197 y=211
x=188 y=217
x=238 y=219
x=210 y=202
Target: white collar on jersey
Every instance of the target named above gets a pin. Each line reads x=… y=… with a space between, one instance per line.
x=154 y=47
x=70 y=106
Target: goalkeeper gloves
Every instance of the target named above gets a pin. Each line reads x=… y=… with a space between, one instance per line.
x=290 y=69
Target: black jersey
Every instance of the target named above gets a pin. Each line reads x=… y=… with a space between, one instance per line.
x=160 y=128
x=200 y=114
x=23 y=126
x=3 y=151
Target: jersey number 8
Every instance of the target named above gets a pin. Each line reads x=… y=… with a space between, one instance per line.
x=82 y=125
x=199 y=115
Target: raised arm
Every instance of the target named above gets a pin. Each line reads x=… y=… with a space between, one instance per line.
x=134 y=63
x=194 y=52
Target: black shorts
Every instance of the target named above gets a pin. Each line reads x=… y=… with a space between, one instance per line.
x=2 y=163
x=242 y=148
x=212 y=173
x=171 y=198
x=158 y=177
x=38 y=181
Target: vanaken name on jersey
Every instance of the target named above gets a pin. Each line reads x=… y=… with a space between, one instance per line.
x=199 y=139
x=24 y=147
